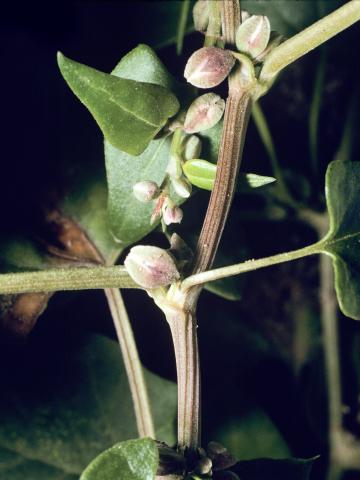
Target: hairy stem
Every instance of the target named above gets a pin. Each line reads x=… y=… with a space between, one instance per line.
x=308 y=39
x=132 y=363
x=57 y=279
x=249 y=265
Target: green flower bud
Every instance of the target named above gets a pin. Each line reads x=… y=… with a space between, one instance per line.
x=192 y=148
x=205 y=112
x=201 y=13
x=146 y=191
x=208 y=67
x=253 y=35
x=151 y=267
x=182 y=187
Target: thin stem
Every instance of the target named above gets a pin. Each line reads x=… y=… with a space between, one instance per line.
x=132 y=363
x=184 y=13
x=266 y=137
x=249 y=265
x=347 y=139
x=315 y=108
x=57 y=279
x=308 y=39
x=213 y=32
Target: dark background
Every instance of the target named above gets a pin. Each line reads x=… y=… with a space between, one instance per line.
x=248 y=346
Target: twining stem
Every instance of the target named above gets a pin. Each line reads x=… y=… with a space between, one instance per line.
x=57 y=279
x=132 y=363
x=308 y=39
x=184 y=13
x=223 y=272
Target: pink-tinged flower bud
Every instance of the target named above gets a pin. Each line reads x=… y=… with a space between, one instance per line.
x=172 y=214
x=192 y=148
x=201 y=14
x=253 y=35
x=146 y=191
x=205 y=112
x=151 y=267
x=208 y=67
x=182 y=187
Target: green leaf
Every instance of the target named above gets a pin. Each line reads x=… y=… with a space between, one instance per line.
x=252 y=435
x=342 y=242
x=129 y=219
x=270 y=469
x=130 y=113
x=131 y=460
x=201 y=173
x=78 y=406
x=286 y=19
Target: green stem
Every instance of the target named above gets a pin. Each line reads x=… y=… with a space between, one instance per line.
x=132 y=363
x=308 y=39
x=185 y=7
x=213 y=32
x=57 y=279
x=249 y=265
x=262 y=126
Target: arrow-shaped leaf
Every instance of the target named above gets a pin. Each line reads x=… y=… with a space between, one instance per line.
x=130 y=113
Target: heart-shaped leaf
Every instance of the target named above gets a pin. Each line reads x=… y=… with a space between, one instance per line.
x=201 y=173
x=131 y=460
x=79 y=404
x=130 y=113
x=343 y=240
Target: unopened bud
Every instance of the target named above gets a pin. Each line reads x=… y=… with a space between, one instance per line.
x=203 y=466
x=146 y=191
x=192 y=148
x=208 y=67
x=172 y=214
x=151 y=267
x=182 y=187
x=253 y=35
x=201 y=14
x=205 y=112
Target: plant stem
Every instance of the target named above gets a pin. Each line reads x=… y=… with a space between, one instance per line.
x=213 y=31
x=230 y=20
x=185 y=7
x=57 y=279
x=249 y=265
x=132 y=363
x=308 y=39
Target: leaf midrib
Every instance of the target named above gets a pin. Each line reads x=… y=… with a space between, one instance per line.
x=332 y=242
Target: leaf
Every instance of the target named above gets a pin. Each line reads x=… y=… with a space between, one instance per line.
x=342 y=242
x=270 y=469
x=77 y=406
x=201 y=173
x=129 y=219
x=286 y=19
x=130 y=113
x=252 y=435
x=131 y=460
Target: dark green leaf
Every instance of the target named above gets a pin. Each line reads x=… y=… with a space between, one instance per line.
x=79 y=408
x=270 y=469
x=131 y=460
x=342 y=242
x=201 y=173
x=286 y=19
x=129 y=113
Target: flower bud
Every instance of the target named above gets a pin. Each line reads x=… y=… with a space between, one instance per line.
x=151 y=267
x=203 y=466
x=172 y=214
x=182 y=187
x=146 y=191
x=253 y=35
x=205 y=112
x=208 y=67
x=201 y=14
x=192 y=148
